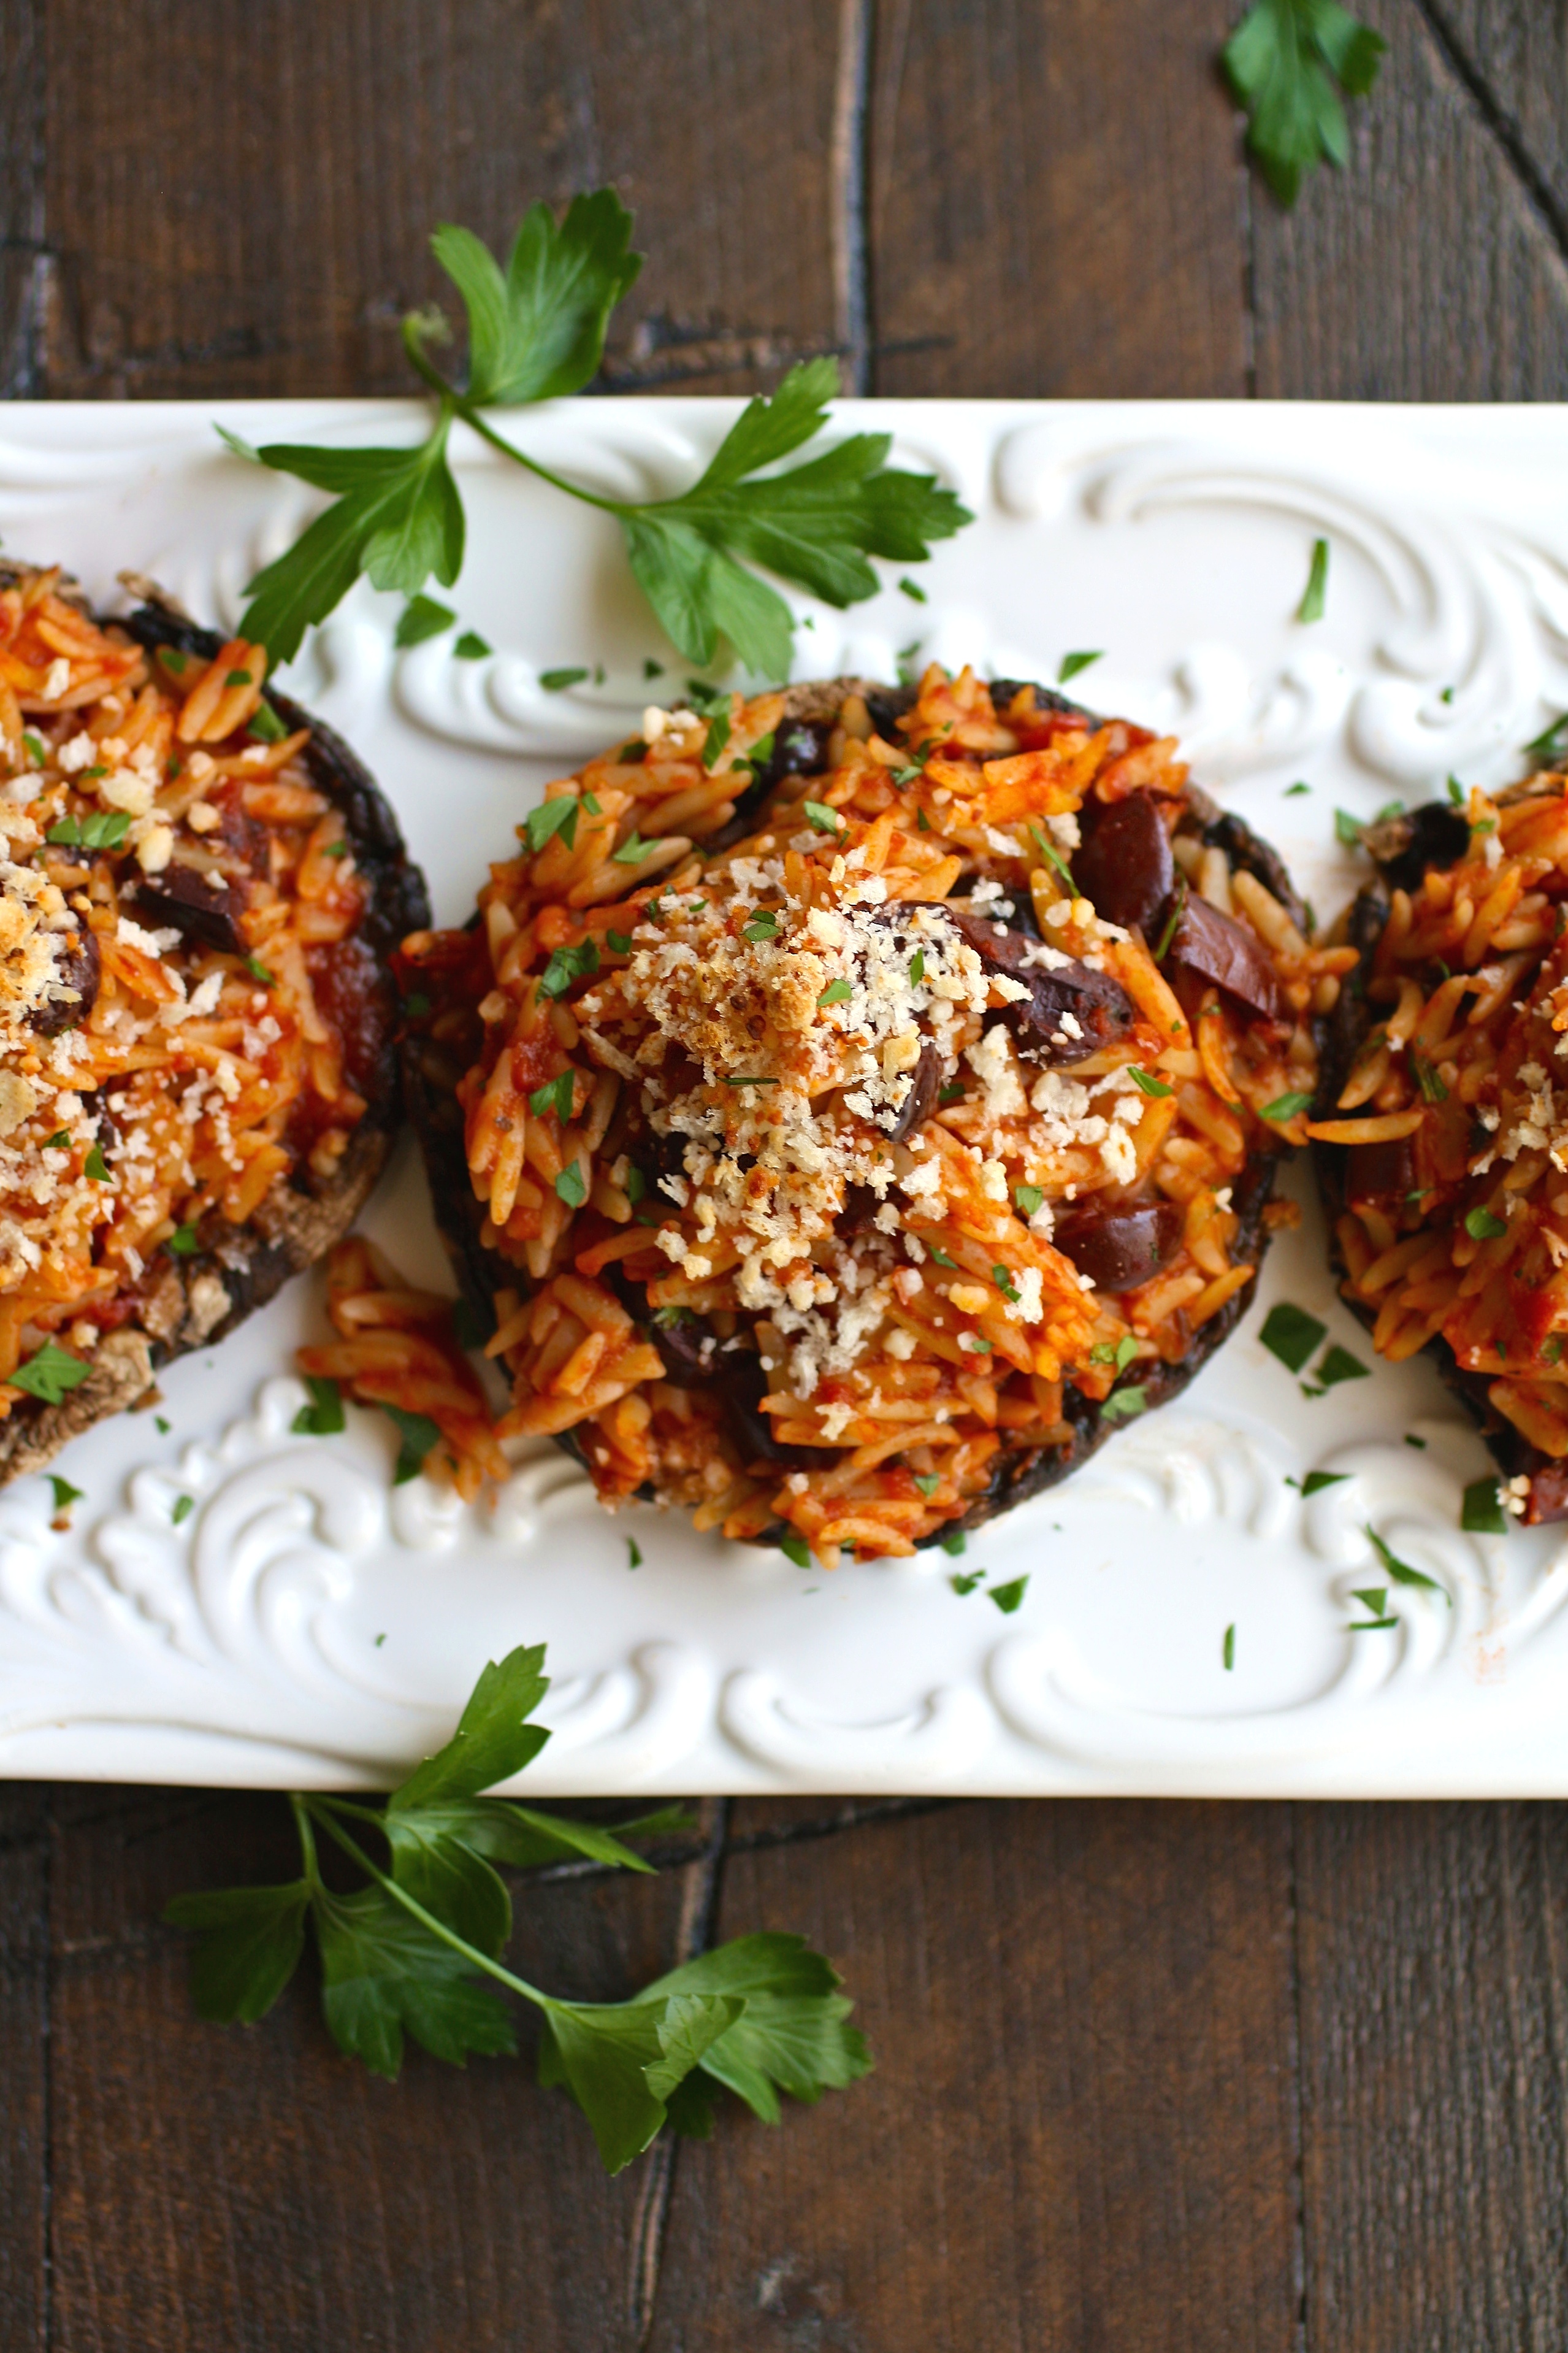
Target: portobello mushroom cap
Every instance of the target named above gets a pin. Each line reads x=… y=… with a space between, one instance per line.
x=431 y=1074
x=1403 y=850
x=197 y=1300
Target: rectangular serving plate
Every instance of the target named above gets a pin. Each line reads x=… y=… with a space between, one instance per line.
x=307 y=1623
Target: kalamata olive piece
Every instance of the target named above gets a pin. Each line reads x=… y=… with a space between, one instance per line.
x=800 y=749
x=181 y=899
x=1547 y=1495
x=860 y=1207
x=1123 y=865
x=1216 y=947
x=1071 y=1011
x=1119 y=1245
x=1408 y=846
x=925 y=1082
x=743 y=1388
x=1379 y=1172
x=689 y=1349
x=77 y=968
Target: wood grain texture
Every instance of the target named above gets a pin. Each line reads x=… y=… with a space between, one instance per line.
x=249 y=2188
x=1082 y=2129
x=1057 y=203
x=1434 y=2076
x=1426 y=270
x=24 y=2062
x=255 y=219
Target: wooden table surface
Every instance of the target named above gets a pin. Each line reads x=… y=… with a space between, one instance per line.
x=1150 y=2075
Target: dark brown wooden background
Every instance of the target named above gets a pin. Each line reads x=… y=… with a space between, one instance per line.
x=1152 y=2078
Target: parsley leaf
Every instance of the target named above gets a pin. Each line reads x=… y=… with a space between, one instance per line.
x=555 y=681
x=1009 y=1596
x=837 y=992
x=251 y=1939
x=570 y=1186
x=418 y=1434
x=1400 y=1570
x=1288 y=62
x=1029 y=1198
x=1310 y=607
x=1483 y=1512
x=556 y=1094
x=538 y=332
x=1291 y=1335
x=1285 y=1107
x=49 y=1373
x=567 y=964
x=422 y=618
x=65 y=1494
x=323 y=1416
x=1072 y=663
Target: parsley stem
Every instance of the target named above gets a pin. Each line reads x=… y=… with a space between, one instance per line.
x=320 y=1809
x=471 y=416
x=301 y=1808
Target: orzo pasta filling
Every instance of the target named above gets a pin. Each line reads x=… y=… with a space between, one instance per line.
x=1446 y=1148
x=191 y=1019
x=867 y=1101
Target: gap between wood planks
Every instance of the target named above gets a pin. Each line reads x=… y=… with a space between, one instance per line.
x=1506 y=132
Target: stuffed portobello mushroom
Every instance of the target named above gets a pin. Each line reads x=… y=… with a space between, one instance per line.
x=850 y=1105
x=198 y=1066
x=1445 y=1154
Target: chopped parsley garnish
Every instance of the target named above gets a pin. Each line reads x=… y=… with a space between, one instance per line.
x=1292 y=791
x=905 y=658
x=323 y=1416
x=761 y=925
x=1291 y=1335
x=955 y=1543
x=104 y=829
x=1002 y=1276
x=1316 y=1481
x=651 y=669
x=618 y=942
x=968 y=1581
x=1482 y=1227
x=821 y=818
x=172 y=660
x=48 y=1374
x=1481 y=1512
x=60 y=1141
x=796 y=1548
x=1122 y=1405
x=1338 y=1365
x=1457 y=792
x=1433 y=1089
x=185 y=1505
x=1072 y=663
x=1008 y=1597
x=258 y=971
x=1419 y=1443
x=632 y=850
x=1400 y=1570
x=1313 y=596
x=952 y=1092
x=917 y=967
x=183 y=1242
x=837 y=992
x=418 y=1434
x=1053 y=857
x=239 y=678
x=470 y=646
x=1348 y=829
x=922 y=822
x=1228 y=1649
x=420 y=619
x=928 y=1484
x=65 y=1494
x=1290 y=62
x=160 y=1426
x=555 y=681
x=417 y=1005
x=551 y=818
x=33 y=745
x=1178 y=909
x=635 y=1186
x=266 y=727
x=570 y=1186
x=1551 y=741
x=554 y=1095
x=748 y=1079
x=941 y=1258
x=1373 y=1598
x=913 y=590
x=1284 y=1107
x=1119 y=1353
x=903 y=777
x=1029 y=1197
x=1144 y=1083
x=716 y=741
x=567 y=964
x=96 y=1166
x=633 y=1553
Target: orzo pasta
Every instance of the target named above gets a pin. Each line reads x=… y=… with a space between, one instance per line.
x=863 y=1101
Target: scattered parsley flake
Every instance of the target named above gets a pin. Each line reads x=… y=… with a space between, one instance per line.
x=917 y=967
x=556 y=1094
x=1146 y=1084
x=239 y=678
x=913 y=590
x=421 y=618
x=264 y=726
x=1228 y=1649
x=716 y=742
x=1123 y=1405
x=1401 y=1570
x=955 y=1542
x=556 y=682
x=618 y=942
x=185 y=1505
x=1348 y=829
x=1316 y=1481
x=941 y=1258
x=1007 y=1597
x=1481 y=1512
x=821 y=818
x=1482 y=1227
x=952 y=1092
x=323 y=1416
x=471 y=647
x=1291 y=1335
x=1029 y=1199
x=567 y=964
x=1292 y=791
x=632 y=850
x=60 y=1141
x=1338 y=1365
x=966 y=1583
x=183 y=1240
x=928 y=1484
x=258 y=971
x=160 y=1426
x=796 y=1548
x=551 y=818
x=633 y=1553
x=96 y=1166
x=65 y=1494
x=748 y=1079
x=48 y=1374
x=837 y=992
x=571 y=1187
x=1072 y=663
x=1002 y=1276
x=1286 y=1107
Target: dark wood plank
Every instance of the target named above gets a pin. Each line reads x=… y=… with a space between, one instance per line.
x=1434 y=2076
x=1515 y=54
x=255 y=219
x=1081 y=2131
x=1426 y=270
x=268 y=2196
x=23 y=2056
x=1056 y=203
x=21 y=192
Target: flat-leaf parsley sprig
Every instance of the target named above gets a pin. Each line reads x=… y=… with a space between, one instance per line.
x=416 y=1949
x=1289 y=61
x=536 y=330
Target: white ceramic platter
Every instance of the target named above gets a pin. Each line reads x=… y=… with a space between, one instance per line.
x=306 y=1622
